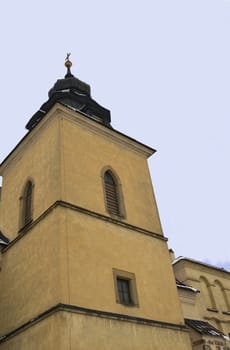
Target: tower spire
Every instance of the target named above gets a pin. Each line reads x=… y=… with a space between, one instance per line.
x=68 y=65
x=75 y=94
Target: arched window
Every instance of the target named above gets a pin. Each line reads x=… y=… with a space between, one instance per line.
x=207 y=294
x=222 y=297
x=111 y=193
x=27 y=203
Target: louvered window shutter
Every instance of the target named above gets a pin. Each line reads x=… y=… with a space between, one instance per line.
x=28 y=203
x=111 y=194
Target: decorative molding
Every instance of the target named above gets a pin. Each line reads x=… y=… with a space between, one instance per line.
x=212 y=310
x=100 y=129
x=226 y=313
x=22 y=232
x=79 y=118
x=204 y=266
x=190 y=279
x=91 y=312
x=112 y=220
x=29 y=138
x=216 y=319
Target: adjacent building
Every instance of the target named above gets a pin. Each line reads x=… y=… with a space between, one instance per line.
x=204 y=292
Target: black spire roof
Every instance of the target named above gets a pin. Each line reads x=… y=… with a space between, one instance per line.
x=75 y=94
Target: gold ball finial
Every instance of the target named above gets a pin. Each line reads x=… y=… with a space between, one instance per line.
x=68 y=63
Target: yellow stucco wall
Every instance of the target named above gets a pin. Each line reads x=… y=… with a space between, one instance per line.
x=112 y=334
x=96 y=247
x=65 y=157
x=38 y=158
x=212 y=303
x=65 y=330
x=85 y=152
x=50 y=333
x=31 y=277
x=67 y=256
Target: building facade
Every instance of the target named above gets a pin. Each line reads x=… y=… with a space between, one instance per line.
x=204 y=292
x=87 y=264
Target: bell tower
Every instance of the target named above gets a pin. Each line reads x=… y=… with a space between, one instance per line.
x=84 y=262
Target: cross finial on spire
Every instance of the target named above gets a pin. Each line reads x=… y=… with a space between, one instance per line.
x=68 y=65
x=67 y=56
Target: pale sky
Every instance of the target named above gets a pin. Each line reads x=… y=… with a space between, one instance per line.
x=162 y=67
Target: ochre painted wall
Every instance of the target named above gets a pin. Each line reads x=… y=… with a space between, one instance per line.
x=32 y=278
x=86 y=152
x=67 y=255
x=50 y=333
x=212 y=304
x=65 y=330
x=96 y=247
x=36 y=158
x=65 y=158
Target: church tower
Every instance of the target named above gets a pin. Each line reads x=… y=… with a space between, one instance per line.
x=84 y=263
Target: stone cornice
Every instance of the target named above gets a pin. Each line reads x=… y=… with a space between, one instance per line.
x=27 y=140
x=201 y=266
x=111 y=134
x=91 y=312
x=26 y=229
x=79 y=119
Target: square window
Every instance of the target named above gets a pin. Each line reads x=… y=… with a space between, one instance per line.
x=125 y=288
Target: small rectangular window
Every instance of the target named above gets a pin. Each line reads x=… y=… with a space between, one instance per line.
x=124 y=291
x=125 y=287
